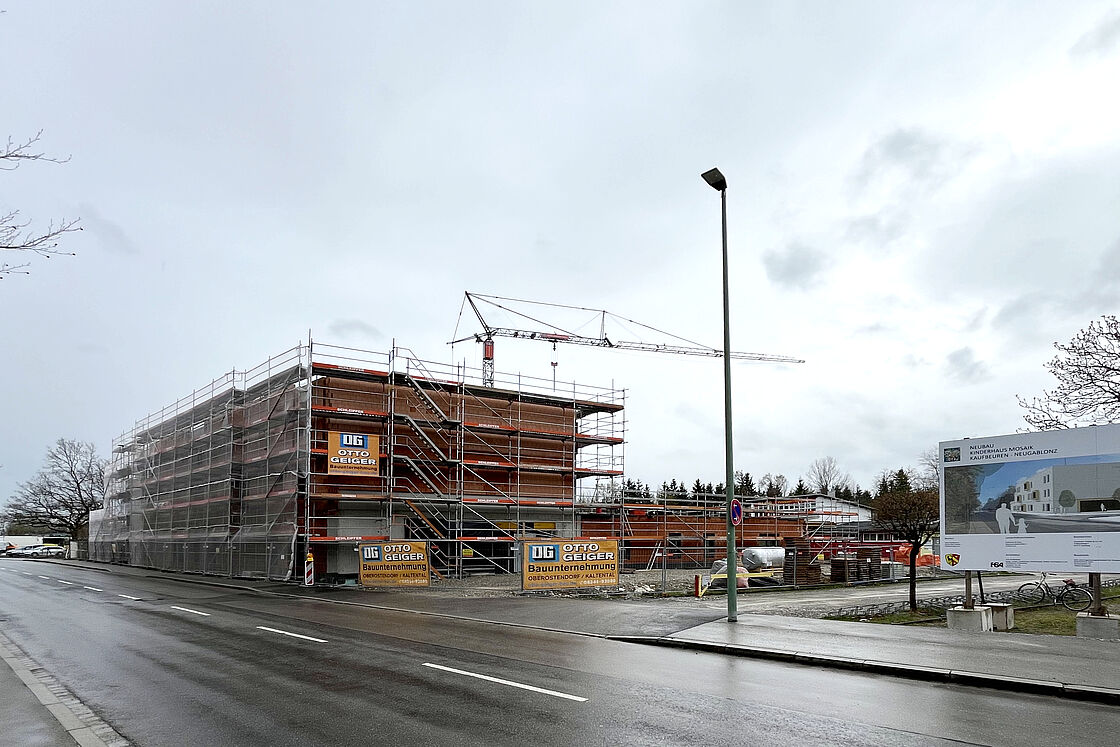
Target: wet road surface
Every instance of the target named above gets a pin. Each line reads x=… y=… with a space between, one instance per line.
x=170 y=663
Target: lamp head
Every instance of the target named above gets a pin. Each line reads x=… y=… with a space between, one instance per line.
x=715 y=179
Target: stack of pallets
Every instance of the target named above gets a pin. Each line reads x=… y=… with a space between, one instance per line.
x=801 y=565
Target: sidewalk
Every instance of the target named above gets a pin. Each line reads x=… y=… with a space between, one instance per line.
x=1061 y=666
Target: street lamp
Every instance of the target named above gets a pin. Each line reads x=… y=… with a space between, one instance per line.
x=717 y=181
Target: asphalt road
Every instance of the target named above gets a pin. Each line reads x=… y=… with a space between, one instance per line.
x=169 y=663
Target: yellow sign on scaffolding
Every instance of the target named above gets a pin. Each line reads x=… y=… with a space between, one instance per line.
x=569 y=564
x=402 y=563
x=352 y=454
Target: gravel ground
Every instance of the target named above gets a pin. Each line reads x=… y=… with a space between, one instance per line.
x=647 y=585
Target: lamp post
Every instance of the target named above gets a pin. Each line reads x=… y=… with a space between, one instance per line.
x=717 y=181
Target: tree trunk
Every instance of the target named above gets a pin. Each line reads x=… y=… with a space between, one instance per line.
x=914 y=550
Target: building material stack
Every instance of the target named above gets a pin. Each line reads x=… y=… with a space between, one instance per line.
x=801 y=565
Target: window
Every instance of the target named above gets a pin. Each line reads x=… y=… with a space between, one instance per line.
x=1027 y=485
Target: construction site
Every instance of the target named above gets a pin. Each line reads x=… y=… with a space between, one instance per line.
x=323 y=447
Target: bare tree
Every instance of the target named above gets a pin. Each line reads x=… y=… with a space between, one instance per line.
x=59 y=498
x=773 y=486
x=1088 y=372
x=15 y=234
x=929 y=472
x=824 y=476
x=912 y=516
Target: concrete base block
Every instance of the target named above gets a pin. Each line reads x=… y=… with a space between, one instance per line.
x=1097 y=627
x=1003 y=616
x=975 y=620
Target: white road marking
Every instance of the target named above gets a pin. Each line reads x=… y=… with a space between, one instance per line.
x=46 y=577
x=92 y=588
x=68 y=583
x=126 y=596
x=293 y=635
x=25 y=573
x=507 y=682
x=193 y=612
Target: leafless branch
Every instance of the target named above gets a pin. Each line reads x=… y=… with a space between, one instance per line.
x=14 y=233
x=1088 y=373
x=15 y=153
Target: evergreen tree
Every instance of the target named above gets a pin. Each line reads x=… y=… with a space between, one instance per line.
x=744 y=484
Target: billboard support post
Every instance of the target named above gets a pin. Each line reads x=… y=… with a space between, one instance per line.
x=968 y=590
x=1097 y=607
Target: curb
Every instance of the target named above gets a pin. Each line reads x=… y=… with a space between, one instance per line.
x=84 y=726
x=1089 y=693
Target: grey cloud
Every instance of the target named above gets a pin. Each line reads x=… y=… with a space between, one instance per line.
x=798 y=267
x=873 y=329
x=880 y=228
x=350 y=328
x=1110 y=264
x=111 y=235
x=1100 y=41
x=963 y=366
x=977 y=320
x=926 y=160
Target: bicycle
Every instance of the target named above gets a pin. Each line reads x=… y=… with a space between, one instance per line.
x=1069 y=594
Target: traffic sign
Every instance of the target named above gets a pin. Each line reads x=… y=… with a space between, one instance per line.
x=736 y=512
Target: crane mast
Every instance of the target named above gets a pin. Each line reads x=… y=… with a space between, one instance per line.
x=558 y=335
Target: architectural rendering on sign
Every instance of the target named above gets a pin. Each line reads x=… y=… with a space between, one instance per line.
x=1033 y=501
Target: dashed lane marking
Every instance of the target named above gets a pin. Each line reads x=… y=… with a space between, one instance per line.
x=68 y=583
x=92 y=588
x=126 y=596
x=511 y=683
x=188 y=609
x=293 y=635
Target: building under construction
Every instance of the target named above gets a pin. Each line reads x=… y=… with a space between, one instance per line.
x=324 y=447
x=240 y=478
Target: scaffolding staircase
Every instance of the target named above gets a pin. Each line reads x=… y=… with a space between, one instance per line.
x=433 y=528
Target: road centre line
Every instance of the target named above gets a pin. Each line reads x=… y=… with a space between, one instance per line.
x=126 y=596
x=92 y=588
x=48 y=578
x=293 y=635
x=507 y=682
x=68 y=583
x=193 y=612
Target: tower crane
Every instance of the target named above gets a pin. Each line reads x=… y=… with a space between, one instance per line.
x=555 y=334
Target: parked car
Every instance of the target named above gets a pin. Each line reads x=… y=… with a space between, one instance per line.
x=37 y=551
x=27 y=551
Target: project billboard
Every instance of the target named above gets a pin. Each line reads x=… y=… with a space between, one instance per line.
x=1045 y=501
x=352 y=454
x=568 y=564
x=402 y=563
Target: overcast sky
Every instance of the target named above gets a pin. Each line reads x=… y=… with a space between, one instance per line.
x=923 y=198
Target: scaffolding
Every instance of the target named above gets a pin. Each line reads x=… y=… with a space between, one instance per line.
x=235 y=478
